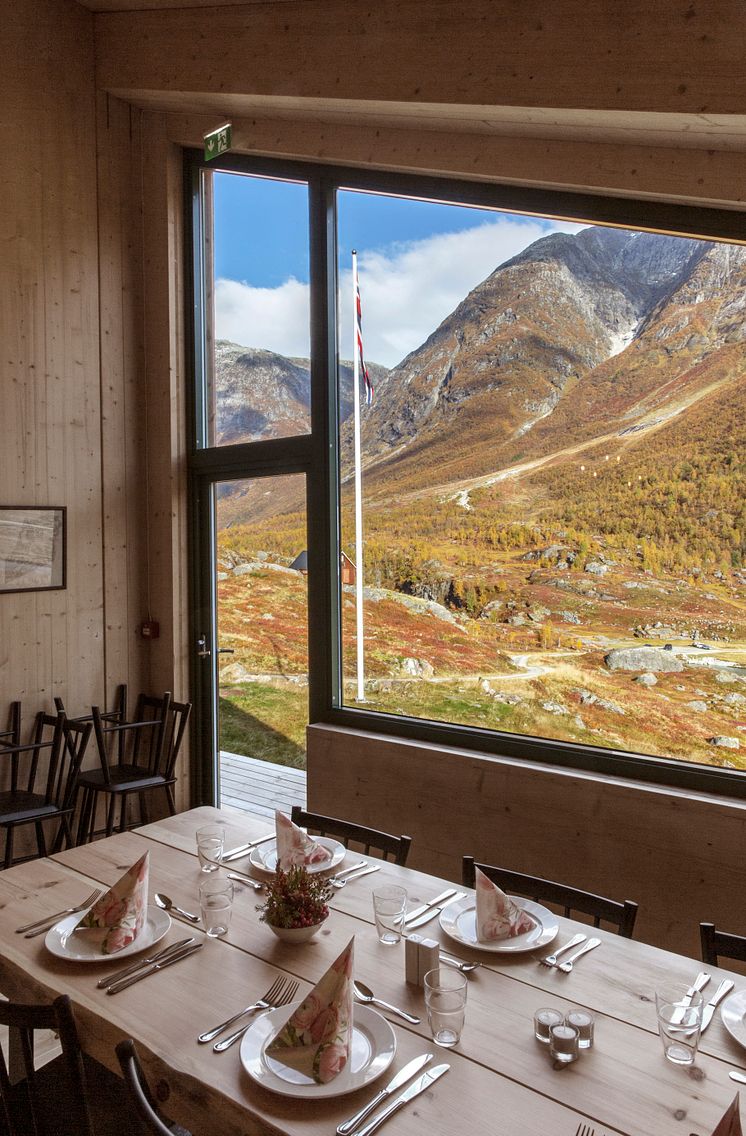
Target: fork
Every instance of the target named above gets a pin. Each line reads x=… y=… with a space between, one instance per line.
x=273 y=992
x=585 y=1130
x=551 y=960
x=566 y=967
x=49 y=920
x=281 y=999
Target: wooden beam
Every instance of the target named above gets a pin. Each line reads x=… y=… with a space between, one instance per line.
x=671 y=56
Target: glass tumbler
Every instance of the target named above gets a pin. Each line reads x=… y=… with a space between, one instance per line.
x=445 y=999
x=679 y=1022
x=210 y=843
x=216 y=903
x=389 y=908
x=544 y=1019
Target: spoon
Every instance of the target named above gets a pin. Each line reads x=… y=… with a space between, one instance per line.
x=738 y=1077
x=464 y=967
x=363 y=993
x=168 y=905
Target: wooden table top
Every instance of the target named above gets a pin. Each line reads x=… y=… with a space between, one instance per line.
x=501 y=1080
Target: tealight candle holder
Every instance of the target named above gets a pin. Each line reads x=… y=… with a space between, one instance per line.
x=544 y=1019
x=563 y=1044
x=582 y=1021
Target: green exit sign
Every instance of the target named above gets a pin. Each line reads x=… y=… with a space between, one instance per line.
x=217 y=141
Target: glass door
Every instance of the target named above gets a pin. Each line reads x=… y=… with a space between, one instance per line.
x=252 y=651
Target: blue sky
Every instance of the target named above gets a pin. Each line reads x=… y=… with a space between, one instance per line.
x=417 y=261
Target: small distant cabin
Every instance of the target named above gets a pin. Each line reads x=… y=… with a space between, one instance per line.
x=300 y=564
x=347 y=568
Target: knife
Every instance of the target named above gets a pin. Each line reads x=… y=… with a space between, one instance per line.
x=699 y=983
x=724 y=988
x=424 y=1082
x=421 y=920
x=426 y=906
x=394 y=1084
x=242 y=850
x=128 y=970
x=185 y=953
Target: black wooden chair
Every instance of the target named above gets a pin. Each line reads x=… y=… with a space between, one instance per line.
x=12 y=736
x=118 y=712
x=70 y=1095
x=372 y=841
x=619 y=915
x=716 y=943
x=61 y=745
x=140 y=1094
x=146 y=751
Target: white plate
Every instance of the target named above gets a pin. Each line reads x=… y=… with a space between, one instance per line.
x=733 y=1013
x=459 y=921
x=62 y=942
x=373 y=1049
x=265 y=857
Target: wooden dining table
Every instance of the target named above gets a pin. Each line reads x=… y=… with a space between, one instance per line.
x=501 y=1080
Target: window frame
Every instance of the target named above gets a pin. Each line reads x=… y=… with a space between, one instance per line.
x=316 y=453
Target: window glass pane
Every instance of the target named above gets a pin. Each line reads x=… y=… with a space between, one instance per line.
x=553 y=478
x=262 y=625
x=256 y=348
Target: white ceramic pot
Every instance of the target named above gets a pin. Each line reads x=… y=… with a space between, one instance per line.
x=295 y=934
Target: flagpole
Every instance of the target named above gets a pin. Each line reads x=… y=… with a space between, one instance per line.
x=359 y=584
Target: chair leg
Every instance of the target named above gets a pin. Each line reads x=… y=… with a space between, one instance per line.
x=9 y=846
x=171 y=799
x=110 y=813
x=144 y=816
x=84 y=819
x=41 y=843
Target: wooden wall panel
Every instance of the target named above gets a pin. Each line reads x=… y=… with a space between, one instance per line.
x=679 y=855
x=49 y=390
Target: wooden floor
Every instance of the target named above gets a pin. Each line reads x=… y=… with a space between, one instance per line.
x=260 y=787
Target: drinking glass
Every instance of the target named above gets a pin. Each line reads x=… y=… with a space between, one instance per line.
x=210 y=842
x=216 y=902
x=679 y=1022
x=389 y=908
x=445 y=999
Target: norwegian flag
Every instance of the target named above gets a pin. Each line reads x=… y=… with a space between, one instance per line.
x=368 y=385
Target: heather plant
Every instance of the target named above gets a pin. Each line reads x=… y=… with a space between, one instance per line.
x=296 y=899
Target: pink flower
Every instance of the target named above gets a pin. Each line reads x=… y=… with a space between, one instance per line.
x=307 y=1013
x=332 y=1061
x=325 y=1025
x=496 y=927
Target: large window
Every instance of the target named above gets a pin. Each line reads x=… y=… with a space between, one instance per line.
x=530 y=534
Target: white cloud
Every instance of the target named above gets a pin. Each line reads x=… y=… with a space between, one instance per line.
x=407 y=290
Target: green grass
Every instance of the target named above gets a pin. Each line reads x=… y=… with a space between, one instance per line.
x=266 y=722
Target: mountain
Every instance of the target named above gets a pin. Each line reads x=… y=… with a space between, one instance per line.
x=260 y=394
x=559 y=342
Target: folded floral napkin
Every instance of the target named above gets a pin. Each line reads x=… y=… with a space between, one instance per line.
x=119 y=916
x=295 y=847
x=317 y=1038
x=498 y=916
x=730 y=1124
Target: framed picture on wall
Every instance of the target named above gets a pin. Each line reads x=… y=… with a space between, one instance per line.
x=32 y=548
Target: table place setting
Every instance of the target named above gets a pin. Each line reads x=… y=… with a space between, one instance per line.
x=41 y=926
x=492 y=921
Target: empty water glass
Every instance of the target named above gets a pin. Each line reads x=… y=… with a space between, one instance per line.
x=679 y=1022
x=445 y=999
x=216 y=902
x=210 y=843
x=389 y=908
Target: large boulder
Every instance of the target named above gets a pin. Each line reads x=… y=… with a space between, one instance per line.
x=421 y=668
x=726 y=742
x=642 y=659
x=646 y=679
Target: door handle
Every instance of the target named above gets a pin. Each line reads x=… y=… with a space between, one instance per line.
x=226 y=651
x=203 y=651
